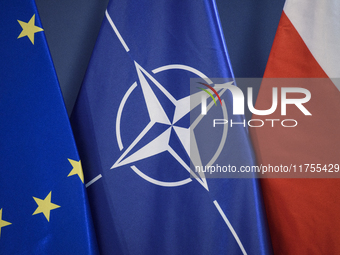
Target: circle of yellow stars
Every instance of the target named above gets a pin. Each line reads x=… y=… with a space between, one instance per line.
x=45 y=205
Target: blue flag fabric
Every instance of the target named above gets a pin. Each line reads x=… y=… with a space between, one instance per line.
x=131 y=131
x=43 y=203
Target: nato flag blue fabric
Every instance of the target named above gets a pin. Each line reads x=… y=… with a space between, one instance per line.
x=131 y=126
x=43 y=203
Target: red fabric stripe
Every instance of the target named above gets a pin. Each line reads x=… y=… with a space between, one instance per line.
x=303 y=214
x=289 y=56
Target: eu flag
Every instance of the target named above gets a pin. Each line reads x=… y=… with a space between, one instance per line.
x=131 y=124
x=43 y=202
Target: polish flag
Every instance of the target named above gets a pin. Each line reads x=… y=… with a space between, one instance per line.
x=304 y=214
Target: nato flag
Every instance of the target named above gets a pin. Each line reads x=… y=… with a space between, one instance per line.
x=133 y=130
x=43 y=202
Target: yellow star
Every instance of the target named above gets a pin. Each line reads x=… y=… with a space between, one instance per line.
x=3 y=223
x=29 y=29
x=45 y=206
x=77 y=169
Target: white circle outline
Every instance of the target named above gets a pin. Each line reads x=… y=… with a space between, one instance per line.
x=120 y=111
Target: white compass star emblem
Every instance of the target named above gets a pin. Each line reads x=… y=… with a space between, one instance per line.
x=161 y=142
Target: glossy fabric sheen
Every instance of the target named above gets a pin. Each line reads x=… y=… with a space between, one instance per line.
x=36 y=142
x=302 y=213
x=132 y=215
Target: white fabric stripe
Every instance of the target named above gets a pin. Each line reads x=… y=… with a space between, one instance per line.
x=230 y=227
x=318 y=23
x=93 y=180
x=117 y=32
